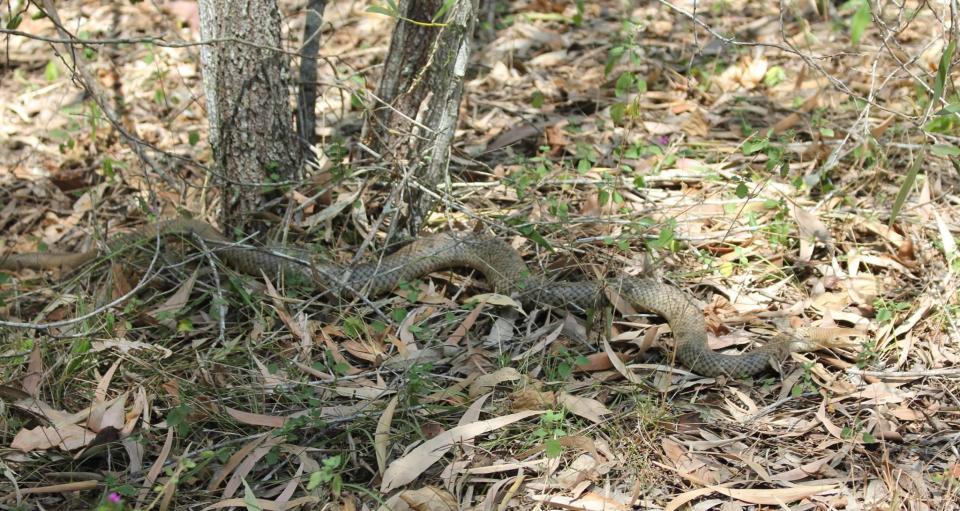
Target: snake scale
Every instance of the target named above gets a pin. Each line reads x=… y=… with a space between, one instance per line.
x=500 y=263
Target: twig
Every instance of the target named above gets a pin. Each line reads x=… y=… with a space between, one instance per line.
x=218 y=292
x=147 y=277
x=949 y=372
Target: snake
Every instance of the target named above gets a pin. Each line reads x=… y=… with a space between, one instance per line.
x=502 y=266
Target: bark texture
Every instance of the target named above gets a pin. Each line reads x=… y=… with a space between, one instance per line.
x=421 y=89
x=307 y=99
x=247 y=82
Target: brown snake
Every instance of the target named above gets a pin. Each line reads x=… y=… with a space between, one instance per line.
x=500 y=263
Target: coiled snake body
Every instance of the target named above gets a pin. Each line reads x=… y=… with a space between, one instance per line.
x=500 y=263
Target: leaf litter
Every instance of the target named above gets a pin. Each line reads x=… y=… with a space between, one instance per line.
x=648 y=147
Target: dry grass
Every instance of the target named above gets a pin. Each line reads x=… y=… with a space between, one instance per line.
x=291 y=397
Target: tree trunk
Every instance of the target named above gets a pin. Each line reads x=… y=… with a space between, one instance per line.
x=422 y=81
x=307 y=98
x=247 y=85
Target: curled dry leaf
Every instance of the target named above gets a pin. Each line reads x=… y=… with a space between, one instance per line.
x=429 y=498
x=587 y=502
x=532 y=399
x=31 y=380
x=404 y=470
x=382 y=434
x=255 y=419
x=772 y=497
x=497 y=299
x=619 y=365
x=585 y=407
x=487 y=381
x=465 y=325
x=108 y=415
x=67 y=437
x=164 y=312
x=126 y=346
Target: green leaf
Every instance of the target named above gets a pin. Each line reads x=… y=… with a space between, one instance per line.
x=945 y=150
x=624 y=84
x=193 y=137
x=641 y=86
x=908 y=181
x=861 y=19
x=665 y=238
x=356 y=101
x=742 y=190
x=827 y=132
x=755 y=145
x=950 y=109
x=617 y=111
x=178 y=417
x=584 y=166
x=553 y=448
x=107 y=167
x=332 y=462
x=443 y=10
x=398 y=314
x=249 y=498
x=531 y=233
x=616 y=53
x=51 y=72
x=536 y=100
x=774 y=76
x=796 y=390
x=14 y=22
x=942 y=70
x=386 y=11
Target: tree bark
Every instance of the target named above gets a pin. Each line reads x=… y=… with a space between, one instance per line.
x=307 y=99
x=247 y=84
x=421 y=88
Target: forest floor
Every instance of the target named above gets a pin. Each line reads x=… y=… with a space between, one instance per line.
x=802 y=175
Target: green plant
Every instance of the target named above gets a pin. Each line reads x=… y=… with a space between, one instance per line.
x=550 y=430
x=888 y=309
x=530 y=172
x=868 y=353
x=774 y=150
x=666 y=238
x=859 y=21
x=417 y=377
x=391 y=9
x=805 y=384
x=328 y=474
x=850 y=432
x=562 y=364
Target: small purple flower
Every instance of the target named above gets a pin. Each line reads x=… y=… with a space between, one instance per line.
x=114 y=498
x=662 y=140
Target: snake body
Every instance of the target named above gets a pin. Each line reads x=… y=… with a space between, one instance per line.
x=500 y=263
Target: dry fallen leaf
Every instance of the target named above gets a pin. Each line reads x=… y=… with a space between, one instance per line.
x=429 y=498
x=486 y=382
x=588 y=502
x=772 y=497
x=67 y=437
x=382 y=434
x=589 y=409
x=404 y=470
x=255 y=419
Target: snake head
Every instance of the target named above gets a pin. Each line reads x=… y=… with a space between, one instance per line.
x=820 y=338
